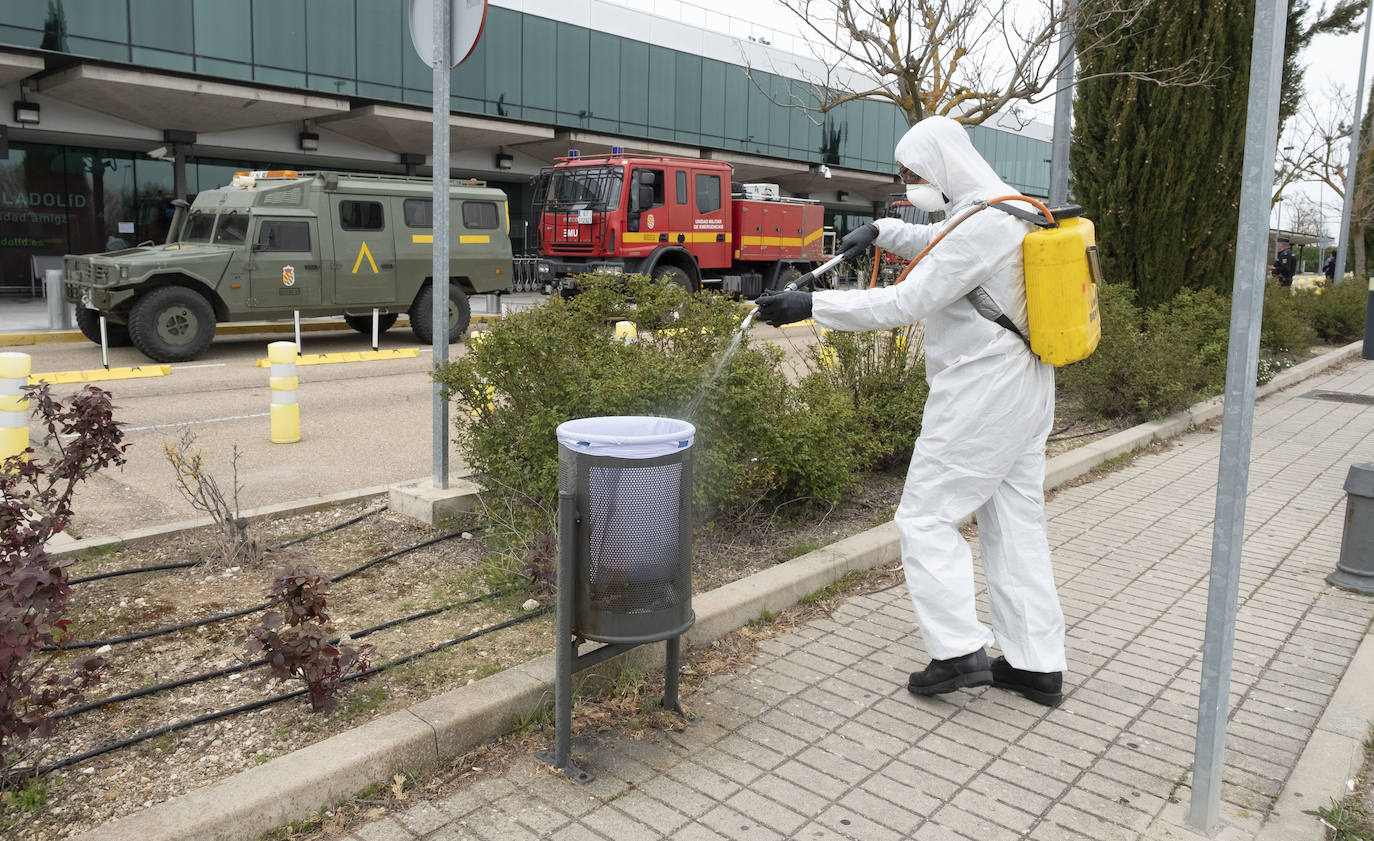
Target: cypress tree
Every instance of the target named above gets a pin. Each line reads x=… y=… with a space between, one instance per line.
x=1158 y=168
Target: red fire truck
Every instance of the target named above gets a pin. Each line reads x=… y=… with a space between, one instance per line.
x=676 y=219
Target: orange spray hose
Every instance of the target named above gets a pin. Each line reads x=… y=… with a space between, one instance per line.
x=957 y=222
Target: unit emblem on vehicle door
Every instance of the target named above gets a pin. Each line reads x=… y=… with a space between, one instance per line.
x=649 y=220
x=288 y=275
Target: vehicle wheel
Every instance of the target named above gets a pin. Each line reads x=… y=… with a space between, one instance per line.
x=363 y=323
x=675 y=275
x=786 y=275
x=116 y=335
x=172 y=324
x=422 y=314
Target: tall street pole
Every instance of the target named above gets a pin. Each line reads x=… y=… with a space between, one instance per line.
x=439 y=269
x=1063 y=112
x=1344 y=230
x=1238 y=415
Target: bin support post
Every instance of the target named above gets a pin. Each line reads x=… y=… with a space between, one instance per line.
x=562 y=698
x=671 y=665
x=565 y=648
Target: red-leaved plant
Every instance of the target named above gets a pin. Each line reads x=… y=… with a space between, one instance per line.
x=35 y=504
x=295 y=637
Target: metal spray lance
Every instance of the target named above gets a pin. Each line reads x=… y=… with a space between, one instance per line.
x=805 y=280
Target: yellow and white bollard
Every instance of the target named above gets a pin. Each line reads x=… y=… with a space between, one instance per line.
x=14 y=406
x=286 y=412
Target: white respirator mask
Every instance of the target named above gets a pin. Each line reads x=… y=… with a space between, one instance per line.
x=927 y=197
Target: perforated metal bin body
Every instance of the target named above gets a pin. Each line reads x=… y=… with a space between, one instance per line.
x=631 y=558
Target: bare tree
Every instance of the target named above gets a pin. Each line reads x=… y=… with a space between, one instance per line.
x=965 y=59
x=1321 y=155
x=1321 y=129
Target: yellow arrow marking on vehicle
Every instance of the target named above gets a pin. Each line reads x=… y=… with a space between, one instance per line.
x=361 y=252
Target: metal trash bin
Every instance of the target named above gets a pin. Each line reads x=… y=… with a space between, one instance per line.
x=624 y=552
x=1355 y=570
x=631 y=554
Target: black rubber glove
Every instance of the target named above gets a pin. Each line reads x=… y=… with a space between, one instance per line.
x=779 y=308
x=858 y=240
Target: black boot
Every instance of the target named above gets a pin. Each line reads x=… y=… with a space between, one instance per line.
x=1041 y=687
x=948 y=675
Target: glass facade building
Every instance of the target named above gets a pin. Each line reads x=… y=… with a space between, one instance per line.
x=525 y=67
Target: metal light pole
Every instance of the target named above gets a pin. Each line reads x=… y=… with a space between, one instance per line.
x=439 y=218
x=1063 y=113
x=1344 y=230
x=1242 y=360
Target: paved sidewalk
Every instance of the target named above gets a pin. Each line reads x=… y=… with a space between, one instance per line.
x=819 y=739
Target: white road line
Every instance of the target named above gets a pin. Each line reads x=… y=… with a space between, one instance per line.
x=203 y=365
x=189 y=422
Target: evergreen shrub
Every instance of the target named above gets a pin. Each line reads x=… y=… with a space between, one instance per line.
x=1337 y=315
x=1155 y=362
x=882 y=375
x=1284 y=329
x=759 y=438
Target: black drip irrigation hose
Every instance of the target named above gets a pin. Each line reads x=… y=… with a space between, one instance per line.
x=193 y=623
x=249 y=707
x=240 y=667
x=187 y=564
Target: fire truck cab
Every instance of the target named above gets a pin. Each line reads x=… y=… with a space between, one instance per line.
x=676 y=219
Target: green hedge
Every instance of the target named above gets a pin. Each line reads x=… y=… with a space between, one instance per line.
x=761 y=440
x=1151 y=363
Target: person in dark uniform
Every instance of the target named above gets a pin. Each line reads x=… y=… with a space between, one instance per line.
x=1285 y=264
x=1329 y=268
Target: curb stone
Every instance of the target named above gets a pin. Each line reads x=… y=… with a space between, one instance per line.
x=291 y=787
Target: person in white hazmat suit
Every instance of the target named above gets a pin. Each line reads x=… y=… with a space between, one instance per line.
x=982 y=444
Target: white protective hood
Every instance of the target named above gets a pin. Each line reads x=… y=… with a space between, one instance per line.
x=939 y=150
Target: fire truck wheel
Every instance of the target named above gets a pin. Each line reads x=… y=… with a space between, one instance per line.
x=673 y=274
x=363 y=323
x=116 y=335
x=786 y=275
x=422 y=314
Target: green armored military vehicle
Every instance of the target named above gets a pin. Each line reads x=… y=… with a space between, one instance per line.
x=274 y=243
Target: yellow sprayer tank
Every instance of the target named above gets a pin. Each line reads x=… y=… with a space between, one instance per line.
x=1061 y=291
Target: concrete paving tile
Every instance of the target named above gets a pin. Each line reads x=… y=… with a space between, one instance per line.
x=922 y=799
x=763 y=758
x=650 y=811
x=855 y=751
x=848 y=823
x=575 y=832
x=894 y=816
x=448 y=832
x=737 y=826
x=491 y=824
x=610 y=822
x=819 y=781
x=1089 y=825
x=834 y=764
x=536 y=814
x=761 y=733
x=1122 y=794
x=806 y=802
x=699 y=774
x=766 y=811
x=422 y=818
x=383 y=829
x=1120 y=810
x=974 y=825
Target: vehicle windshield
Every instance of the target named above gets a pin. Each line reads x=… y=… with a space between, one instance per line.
x=232 y=229
x=198 y=227
x=585 y=188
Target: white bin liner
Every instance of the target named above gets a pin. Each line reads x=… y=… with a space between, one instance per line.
x=626 y=436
